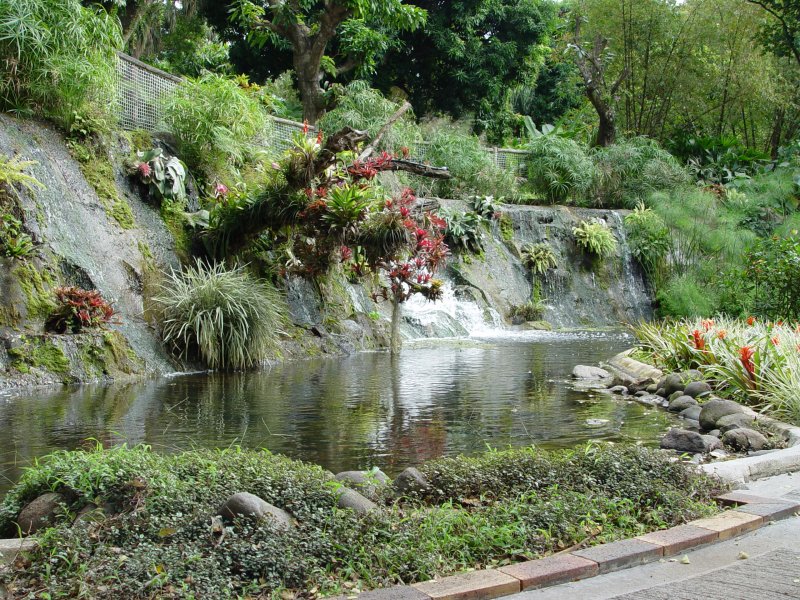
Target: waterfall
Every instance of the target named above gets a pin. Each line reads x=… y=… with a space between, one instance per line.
x=449 y=317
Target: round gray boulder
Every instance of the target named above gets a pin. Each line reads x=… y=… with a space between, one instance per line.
x=696 y=389
x=683 y=440
x=366 y=482
x=735 y=421
x=744 y=440
x=590 y=373
x=693 y=413
x=715 y=409
x=712 y=443
x=354 y=501
x=682 y=403
x=245 y=504
x=673 y=383
x=411 y=481
x=40 y=513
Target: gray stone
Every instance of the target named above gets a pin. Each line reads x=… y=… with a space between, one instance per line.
x=681 y=403
x=356 y=502
x=744 y=439
x=692 y=413
x=691 y=375
x=411 y=481
x=587 y=372
x=683 y=440
x=697 y=389
x=674 y=383
x=245 y=504
x=40 y=513
x=735 y=421
x=675 y=395
x=367 y=482
x=712 y=443
x=652 y=388
x=649 y=400
x=11 y=548
x=619 y=389
x=641 y=393
x=660 y=392
x=691 y=425
x=715 y=432
x=718 y=454
x=715 y=409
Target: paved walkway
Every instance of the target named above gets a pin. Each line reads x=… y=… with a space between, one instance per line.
x=762 y=565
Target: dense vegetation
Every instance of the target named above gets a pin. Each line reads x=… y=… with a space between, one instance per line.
x=158 y=539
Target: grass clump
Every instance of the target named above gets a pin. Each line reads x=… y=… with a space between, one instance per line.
x=560 y=169
x=488 y=510
x=224 y=316
x=596 y=238
x=539 y=258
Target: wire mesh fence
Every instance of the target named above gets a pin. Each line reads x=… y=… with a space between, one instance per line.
x=143 y=89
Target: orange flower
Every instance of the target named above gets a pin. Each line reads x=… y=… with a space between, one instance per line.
x=707 y=324
x=776 y=341
x=751 y=321
x=746 y=356
x=699 y=342
x=722 y=334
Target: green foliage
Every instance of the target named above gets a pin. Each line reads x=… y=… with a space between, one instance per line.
x=57 y=58
x=464 y=230
x=217 y=124
x=596 y=238
x=649 y=241
x=224 y=316
x=483 y=510
x=166 y=176
x=559 y=168
x=13 y=175
x=533 y=310
x=627 y=172
x=686 y=296
x=772 y=269
x=539 y=258
x=345 y=207
x=190 y=48
x=39 y=354
x=14 y=242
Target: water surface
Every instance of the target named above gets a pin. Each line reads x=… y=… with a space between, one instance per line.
x=365 y=410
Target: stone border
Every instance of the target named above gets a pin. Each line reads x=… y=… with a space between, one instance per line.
x=750 y=513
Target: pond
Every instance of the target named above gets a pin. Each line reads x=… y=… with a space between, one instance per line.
x=364 y=410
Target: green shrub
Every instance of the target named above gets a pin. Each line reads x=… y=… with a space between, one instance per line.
x=559 y=168
x=13 y=175
x=596 y=238
x=685 y=296
x=627 y=172
x=539 y=258
x=58 y=58
x=649 y=242
x=217 y=124
x=225 y=316
x=463 y=230
x=532 y=310
x=772 y=268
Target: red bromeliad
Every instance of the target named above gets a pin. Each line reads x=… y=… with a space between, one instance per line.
x=746 y=354
x=699 y=342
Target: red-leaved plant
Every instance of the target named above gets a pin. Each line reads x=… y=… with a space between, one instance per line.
x=78 y=309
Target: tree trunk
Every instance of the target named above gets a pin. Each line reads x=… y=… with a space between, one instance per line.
x=395 y=341
x=607 y=132
x=309 y=76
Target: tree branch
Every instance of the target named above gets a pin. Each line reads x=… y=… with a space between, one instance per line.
x=383 y=130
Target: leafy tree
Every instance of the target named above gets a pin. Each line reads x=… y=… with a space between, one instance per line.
x=358 y=31
x=782 y=34
x=470 y=54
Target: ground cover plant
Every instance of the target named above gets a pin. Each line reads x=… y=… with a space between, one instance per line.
x=753 y=361
x=158 y=539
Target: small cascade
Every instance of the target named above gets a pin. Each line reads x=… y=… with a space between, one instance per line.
x=637 y=295
x=449 y=317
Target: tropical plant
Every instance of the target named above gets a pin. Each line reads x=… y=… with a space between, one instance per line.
x=12 y=174
x=463 y=230
x=772 y=268
x=226 y=317
x=595 y=237
x=532 y=310
x=559 y=168
x=539 y=258
x=345 y=207
x=14 y=242
x=78 y=309
x=649 y=242
x=484 y=206
x=165 y=175
x=57 y=58
x=216 y=123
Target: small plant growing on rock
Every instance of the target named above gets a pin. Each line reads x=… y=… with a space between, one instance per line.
x=463 y=230
x=12 y=173
x=165 y=175
x=539 y=258
x=595 y=237
x=78 y=309
x=13 y=241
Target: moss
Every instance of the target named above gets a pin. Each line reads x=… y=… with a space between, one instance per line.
x=41 y=354
x=119 y=354
x=506 y=228
x=141 y=139
x=37 y=285
x=99 y=172
x=175 y=220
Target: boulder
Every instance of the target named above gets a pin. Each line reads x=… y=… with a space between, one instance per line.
x=712 y=443
x=660 y=392
x=367 y=482
x=619 y=389
x=40 y=513
x=673 y=383
x=592 y=373
x=693 y=413
x=245 y=504
x=356 y=502
x=715 y=409
x=744 y=439
x=652 y=388
x=683 y=440
x=697 y=389
x=411 y=481
x=691 y=425
x=675 y=395
x=715 y=432
x=735 y=421
x=649 y=400
x=631 y=373
x=640 y=393
x=681 y=403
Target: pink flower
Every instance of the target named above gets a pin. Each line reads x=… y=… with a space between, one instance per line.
x=144 y=170
x=220 y=190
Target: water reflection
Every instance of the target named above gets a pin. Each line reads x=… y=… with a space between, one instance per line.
x=364 y=410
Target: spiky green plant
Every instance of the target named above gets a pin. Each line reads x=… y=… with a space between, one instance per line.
x=539 y=258
x=228 y=318
x=559 y=168
x=595 y=237
x=13 y=175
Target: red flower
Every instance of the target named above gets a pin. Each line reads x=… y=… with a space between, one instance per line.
x=404 y=212
x=319 y=137
x=144 y=170
x=776 y=341
x=722 y=334
x=305 y=127
x=405 y=151
x=751 y=321
x=699 y=342
x=346 y=253
x=707 y=324
x=746 y=356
